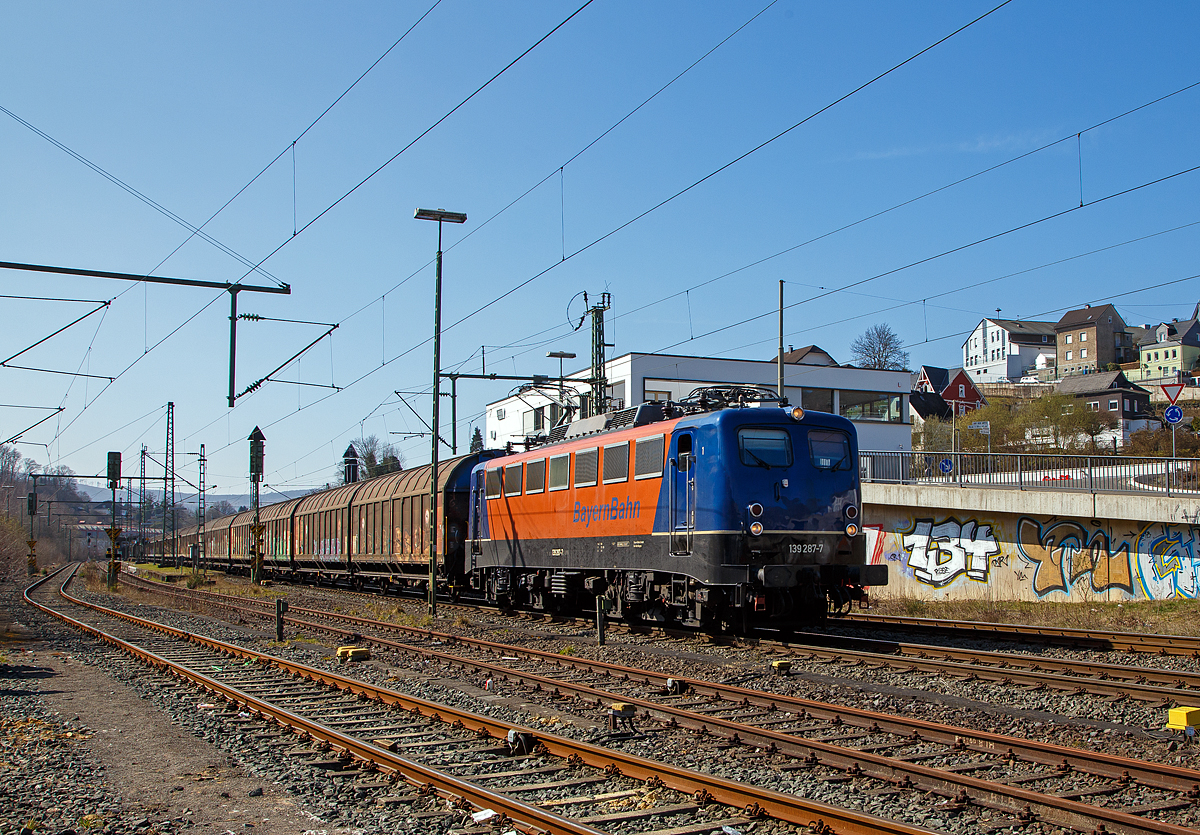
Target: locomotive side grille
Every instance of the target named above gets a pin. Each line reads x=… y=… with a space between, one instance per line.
x=559 y=475
x=586 y=461
x=623 y=418
x=512 y=480
x=616 y=462
x=535 y=476
x=648 y=457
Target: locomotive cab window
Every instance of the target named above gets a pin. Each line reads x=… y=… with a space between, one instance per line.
x=765 y=447
x=492 y=483
x=830 y=450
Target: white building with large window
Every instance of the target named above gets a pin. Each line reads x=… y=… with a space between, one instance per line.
x=876 y=401
x=1005 y=350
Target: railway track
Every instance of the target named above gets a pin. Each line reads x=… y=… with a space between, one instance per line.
x=1052 y=635
x=1113 y=681
x=1021 y=779
x=414 y=751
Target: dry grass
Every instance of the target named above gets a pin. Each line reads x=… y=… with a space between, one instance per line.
x=1158 y=617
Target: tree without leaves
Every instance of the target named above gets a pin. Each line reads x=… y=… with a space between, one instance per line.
x=879 y=347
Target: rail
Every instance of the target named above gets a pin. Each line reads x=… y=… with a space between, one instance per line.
x=1034 y=471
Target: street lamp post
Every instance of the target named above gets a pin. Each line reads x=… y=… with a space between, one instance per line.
x=441 y=216
x=562 y=388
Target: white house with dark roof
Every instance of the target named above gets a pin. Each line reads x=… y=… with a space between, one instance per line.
x=876 y=401
x=1005 y=350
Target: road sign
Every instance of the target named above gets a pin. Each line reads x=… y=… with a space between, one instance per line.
x=1173 y=414
x=1172 y=391
x=946 y=466
x=984 y=426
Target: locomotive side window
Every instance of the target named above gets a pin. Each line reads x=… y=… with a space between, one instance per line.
x=535 y=476
x=648 y=457
x=586 y=461
x=559 y=472
x=616 y=463
x=512 y=480
x=765 y=447
x=830 y=450
x=492 y=483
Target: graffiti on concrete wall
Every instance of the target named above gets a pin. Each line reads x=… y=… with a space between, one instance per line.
x=1065 y=551
x=1168 y=565
x=939 y=553
x=1039 y=557
x=1159 y=561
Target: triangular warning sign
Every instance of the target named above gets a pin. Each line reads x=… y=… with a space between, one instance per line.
x=1172 y=391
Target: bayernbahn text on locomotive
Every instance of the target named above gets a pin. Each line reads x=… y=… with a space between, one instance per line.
x=725 y=509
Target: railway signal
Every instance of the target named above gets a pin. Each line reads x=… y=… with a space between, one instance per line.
x=257 y=443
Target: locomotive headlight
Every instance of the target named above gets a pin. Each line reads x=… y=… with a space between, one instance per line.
x=755 y=509
x=851 y=529
x=851 y=511
x=797 y=413
x=756 y=528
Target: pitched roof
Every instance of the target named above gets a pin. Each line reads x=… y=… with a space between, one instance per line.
x=1019 y=326
x=1088 y=316
x=808 y=355
x=1020 y=330
x=929 y=405
x=1096 y=383
x=939 y=378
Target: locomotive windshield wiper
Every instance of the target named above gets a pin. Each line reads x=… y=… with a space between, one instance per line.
x=761 y=462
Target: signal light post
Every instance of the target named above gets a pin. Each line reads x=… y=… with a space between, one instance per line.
x=440 y=215
x=257 y=441
x=31 y=561
x=114 y=481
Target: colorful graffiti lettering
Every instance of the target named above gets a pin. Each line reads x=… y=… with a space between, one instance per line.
x=940 y=553
x=1062 y=552
x=1168 y=565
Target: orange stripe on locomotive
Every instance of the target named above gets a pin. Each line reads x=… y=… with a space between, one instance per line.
x=591 y=498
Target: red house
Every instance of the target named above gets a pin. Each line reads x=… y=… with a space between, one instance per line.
x=953 y=384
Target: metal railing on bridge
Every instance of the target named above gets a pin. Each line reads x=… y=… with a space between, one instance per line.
x=1023 y=471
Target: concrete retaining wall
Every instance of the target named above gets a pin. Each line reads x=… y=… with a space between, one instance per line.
x=998 y=544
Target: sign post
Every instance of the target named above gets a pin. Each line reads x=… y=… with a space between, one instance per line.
x=1173 y=415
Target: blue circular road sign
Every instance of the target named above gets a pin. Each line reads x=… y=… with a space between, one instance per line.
x=946 y=465
x=1173 y=414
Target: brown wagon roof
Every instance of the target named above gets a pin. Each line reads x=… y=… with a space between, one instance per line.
x=279 y=510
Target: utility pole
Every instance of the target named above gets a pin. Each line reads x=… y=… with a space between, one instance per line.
x=142 y=502
x=257 y=442
x=169 y=486
x=203 y=486
x=781 y=400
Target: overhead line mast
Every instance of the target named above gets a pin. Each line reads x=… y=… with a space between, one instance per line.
x=231 y=287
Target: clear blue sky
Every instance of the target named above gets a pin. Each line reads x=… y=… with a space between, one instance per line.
x=187 y=102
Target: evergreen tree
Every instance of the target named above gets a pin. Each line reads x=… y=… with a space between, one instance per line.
x=477 y=441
